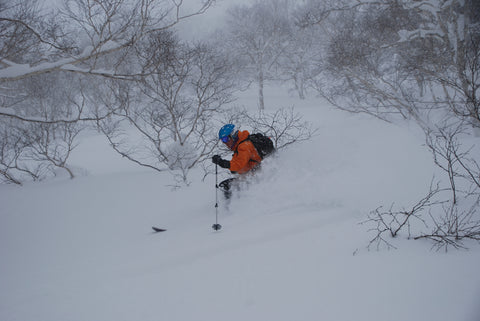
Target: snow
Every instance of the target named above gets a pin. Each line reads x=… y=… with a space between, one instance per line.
x=291 y=246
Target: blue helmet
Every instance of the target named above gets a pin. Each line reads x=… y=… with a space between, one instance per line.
x=226 y=130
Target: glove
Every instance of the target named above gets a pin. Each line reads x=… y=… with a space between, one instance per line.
x=217 y=159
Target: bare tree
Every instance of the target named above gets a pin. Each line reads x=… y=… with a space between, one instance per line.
x=458 y=218
x=302 y=58
x=96 y=29
x=172 y=111
x=284 y=126
x=13 y=168
x=83 y=36
x=89 y=40
x=391 y=223
x=27 y=33
x=416 y=60
x=461 y=218
x=404 y=58
x=454 y=227
x=257 y=36
x=43 y=141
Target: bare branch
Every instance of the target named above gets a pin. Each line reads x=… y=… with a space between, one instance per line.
x=284 y=126
x=393 y=222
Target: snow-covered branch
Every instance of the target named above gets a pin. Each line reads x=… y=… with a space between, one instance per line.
x=109 y=25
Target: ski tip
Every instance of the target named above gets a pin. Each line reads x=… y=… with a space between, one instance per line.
x=156 y=229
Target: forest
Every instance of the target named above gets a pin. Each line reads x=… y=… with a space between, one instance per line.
x=120 y=67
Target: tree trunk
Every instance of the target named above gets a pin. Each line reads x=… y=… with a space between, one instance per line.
x=261 y=102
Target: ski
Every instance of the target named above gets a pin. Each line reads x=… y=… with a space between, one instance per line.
x=156 y=229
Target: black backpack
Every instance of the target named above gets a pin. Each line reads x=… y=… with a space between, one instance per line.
x=262 y=143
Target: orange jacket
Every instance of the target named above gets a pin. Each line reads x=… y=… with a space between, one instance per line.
x=245 y=156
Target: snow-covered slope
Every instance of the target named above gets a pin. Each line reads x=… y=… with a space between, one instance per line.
x=290 y=248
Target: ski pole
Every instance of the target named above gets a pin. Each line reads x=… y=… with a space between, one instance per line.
x=216 y=226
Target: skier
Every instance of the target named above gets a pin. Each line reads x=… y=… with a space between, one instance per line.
x=245 y=157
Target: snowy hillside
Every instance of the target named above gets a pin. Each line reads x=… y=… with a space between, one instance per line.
x=291 y=247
